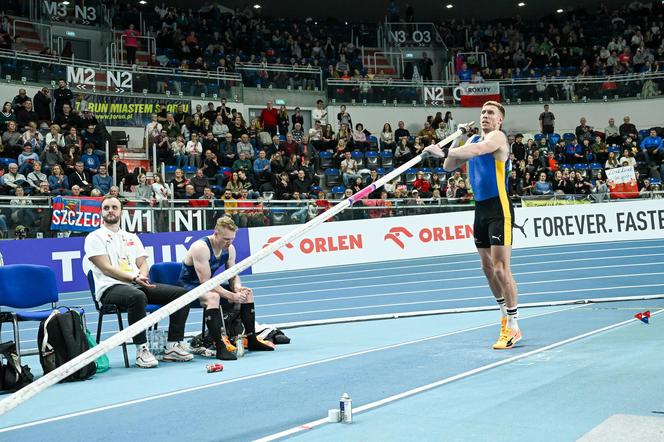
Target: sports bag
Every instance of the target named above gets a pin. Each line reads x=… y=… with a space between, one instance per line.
x=61 y=338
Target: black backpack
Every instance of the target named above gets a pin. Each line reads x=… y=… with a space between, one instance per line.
x=12 y=376
x=61 y=338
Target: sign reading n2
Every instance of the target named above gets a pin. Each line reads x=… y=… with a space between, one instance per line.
x=86 y=79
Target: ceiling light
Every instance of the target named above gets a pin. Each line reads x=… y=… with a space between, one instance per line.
x=257 y=6
x=65 y=3
x=143 y=2
x=559 y=11
x=449 y=6
x=520 y=4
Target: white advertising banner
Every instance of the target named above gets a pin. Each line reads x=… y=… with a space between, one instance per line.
x=385 y=239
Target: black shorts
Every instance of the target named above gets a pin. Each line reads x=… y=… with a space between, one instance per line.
x=493 y=223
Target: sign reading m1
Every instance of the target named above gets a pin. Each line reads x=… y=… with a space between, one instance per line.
x=86 y=78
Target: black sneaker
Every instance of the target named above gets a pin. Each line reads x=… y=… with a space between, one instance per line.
x=225 y=355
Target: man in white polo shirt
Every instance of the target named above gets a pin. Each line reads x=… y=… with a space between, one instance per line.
x=120 y=269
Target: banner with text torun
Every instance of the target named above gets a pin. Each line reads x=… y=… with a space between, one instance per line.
x=128 y=111
x=385 y=239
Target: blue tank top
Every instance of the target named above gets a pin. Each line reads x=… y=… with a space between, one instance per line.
x=488 y=176
x=188 y=275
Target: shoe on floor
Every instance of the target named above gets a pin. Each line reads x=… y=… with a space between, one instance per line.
x=177 y=353
x=225 y=355
x=145 y=359
x=508 y=338
x=259 y=344
x=229 y=346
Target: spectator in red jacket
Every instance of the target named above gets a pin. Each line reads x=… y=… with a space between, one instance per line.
x=269 y=119
x=422 y=184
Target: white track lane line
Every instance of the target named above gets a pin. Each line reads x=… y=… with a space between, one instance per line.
x=548 y=281
x=319 y=280
x=405 y=394
x=416 y=262
x=264 y=374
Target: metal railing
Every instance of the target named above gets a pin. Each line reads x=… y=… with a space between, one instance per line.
x=32 y=68
x=45 y=31
x=151 y=46
x=280 y=76
x=567 y=89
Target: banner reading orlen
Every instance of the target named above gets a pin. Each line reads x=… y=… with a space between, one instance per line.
x=78 y=214
x=128 y=111
x=476 y=94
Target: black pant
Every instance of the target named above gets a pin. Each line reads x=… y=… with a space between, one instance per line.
x=134 y=298
x=131 y=55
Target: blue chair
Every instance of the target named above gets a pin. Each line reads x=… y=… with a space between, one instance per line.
x=643 y=133
x=386 y=158
x=169 y=273
x=358 y=156
x=566 y=166
x=427 y=173
x=26 y=286
x=380 y=171
x=553 y=139
x=539 y=137
x=372 y=159
x=614 y=149
x=338 y=192
x=595 y=170
x=581 y=168
x=113 y=309
x=568 y=136
x=169 y=172
x=325 y=159
x=410 y=176
x=332 y=177
x=439 y=171
x=189 y=171
x=373 y=142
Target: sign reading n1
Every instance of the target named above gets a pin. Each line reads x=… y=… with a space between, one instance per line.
x=86 y=79
x=59 y=10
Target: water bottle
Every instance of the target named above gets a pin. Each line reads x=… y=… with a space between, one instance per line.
x=150 y=337
x=2 y=261
x=240 y=346
x=346 y=409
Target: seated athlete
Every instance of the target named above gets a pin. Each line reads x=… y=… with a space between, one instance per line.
x=201 y=261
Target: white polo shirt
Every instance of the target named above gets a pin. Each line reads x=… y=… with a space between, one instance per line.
x=122 y=249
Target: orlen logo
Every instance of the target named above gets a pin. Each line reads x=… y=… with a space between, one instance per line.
x=276 y=253
x=324 y=244
x=394 y=233
x=435 y=234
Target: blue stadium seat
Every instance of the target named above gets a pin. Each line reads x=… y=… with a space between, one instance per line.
x=539 y=137
x=581 y=168
x=566 y=166
x=614 y=149
x=595 y=170
x=553 y=139
x=338 y=192
x=371 y=160
x=325 y=159
x=643 y=133
x=427 y=173
x=439 y=171
x=410 y=176
x=332 y=177
x=386 y=158
x=568 y=136
x=16 y=294
x=359 y=157
x=189 y=171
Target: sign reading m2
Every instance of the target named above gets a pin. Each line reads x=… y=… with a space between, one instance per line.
x=119 y=81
